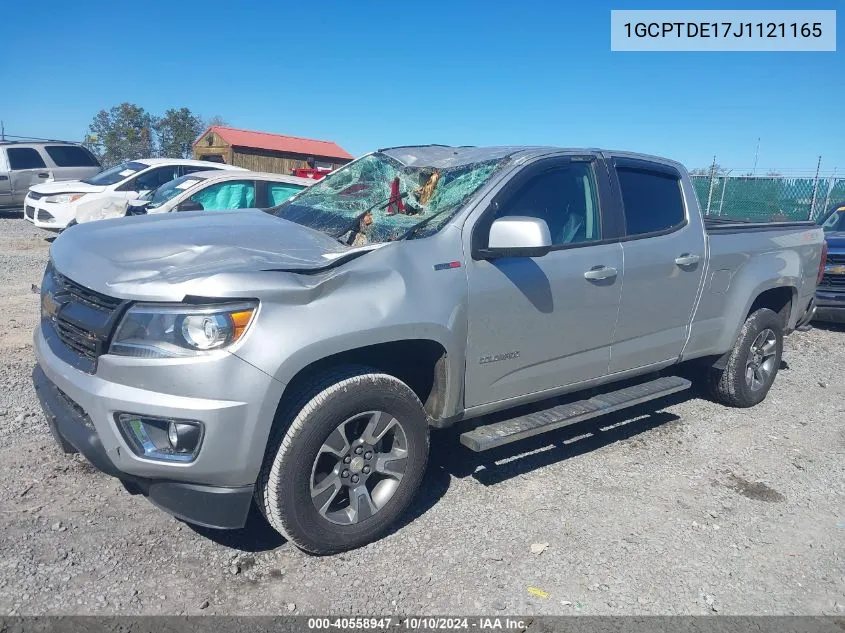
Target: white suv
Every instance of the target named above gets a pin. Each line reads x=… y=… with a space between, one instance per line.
x=53 y=205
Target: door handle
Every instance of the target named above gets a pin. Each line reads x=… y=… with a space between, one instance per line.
x=687 y=260
x=43 y=174
x=597 y=273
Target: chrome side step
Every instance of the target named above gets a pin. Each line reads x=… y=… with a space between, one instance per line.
x=492 y=435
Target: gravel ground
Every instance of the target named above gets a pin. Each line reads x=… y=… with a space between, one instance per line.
x=683 y=507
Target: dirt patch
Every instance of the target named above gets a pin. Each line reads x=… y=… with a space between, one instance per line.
x=756 y=490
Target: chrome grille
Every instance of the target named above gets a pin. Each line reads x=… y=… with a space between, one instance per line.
x=79 y=340
x=833 y=281
x=81 y=319
x=84 y=295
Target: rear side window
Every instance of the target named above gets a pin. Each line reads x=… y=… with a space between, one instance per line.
x=278 y=192
x=71 y=156
x=24 y=158
x=652 y=200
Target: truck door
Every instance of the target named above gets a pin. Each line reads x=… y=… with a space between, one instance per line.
x=5 y=180
x=664 y=254
x=537 y=323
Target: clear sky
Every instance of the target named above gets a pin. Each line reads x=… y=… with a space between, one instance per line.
x=374 y=74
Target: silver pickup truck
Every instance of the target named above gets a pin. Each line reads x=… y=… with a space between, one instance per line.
x=297 y=358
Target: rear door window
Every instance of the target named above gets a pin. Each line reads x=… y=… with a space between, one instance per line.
x=71 y=156
x=652 y=199
x=278 y=192
x=236 y=194
x=24 y=158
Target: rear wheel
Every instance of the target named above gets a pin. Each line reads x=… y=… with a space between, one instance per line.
x=348 y=464
x=753 y=362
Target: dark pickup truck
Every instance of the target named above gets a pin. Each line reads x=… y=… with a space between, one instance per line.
x=830 y=295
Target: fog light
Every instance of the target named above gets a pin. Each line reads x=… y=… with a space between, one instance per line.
x=172 y=435
x=183 y=436
x=161 y=438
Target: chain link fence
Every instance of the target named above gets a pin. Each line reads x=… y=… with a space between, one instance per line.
x=768 y=198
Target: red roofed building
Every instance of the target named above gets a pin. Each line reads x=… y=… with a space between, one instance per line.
x=261 y=151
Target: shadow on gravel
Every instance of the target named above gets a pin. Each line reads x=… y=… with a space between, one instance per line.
x=829 y=327
x=448 y=458
x=255 y=536
x=11 y=214
x=497 y=465
x=258 y=536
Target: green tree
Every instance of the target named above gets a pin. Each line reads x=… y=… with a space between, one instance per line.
x=717 y=170
x=122 y=133
x=177 y=130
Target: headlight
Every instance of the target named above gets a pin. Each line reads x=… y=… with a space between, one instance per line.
x=64 y=198
x=156 y=331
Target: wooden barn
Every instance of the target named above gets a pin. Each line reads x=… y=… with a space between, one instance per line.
x=261 y=151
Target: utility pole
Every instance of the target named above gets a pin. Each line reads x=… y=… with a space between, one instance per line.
x=815 y=188
x=712 y=179
x=756 y=154
x=2 y=132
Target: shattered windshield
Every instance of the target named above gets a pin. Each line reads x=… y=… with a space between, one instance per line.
x=169 y=190
x=378 y=199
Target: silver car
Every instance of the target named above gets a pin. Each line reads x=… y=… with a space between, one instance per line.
x=24 y=164
x=212 y=190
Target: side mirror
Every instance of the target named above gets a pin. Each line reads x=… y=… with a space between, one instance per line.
x=190 y=205
x=517 y=236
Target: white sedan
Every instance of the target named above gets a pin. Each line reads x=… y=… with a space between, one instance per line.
x=53 y=205
x=209 y=191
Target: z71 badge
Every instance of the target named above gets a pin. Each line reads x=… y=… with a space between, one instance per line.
x=497 y=357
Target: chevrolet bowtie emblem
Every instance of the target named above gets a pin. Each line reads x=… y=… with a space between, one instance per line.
x=838 y=269
x=49 y=306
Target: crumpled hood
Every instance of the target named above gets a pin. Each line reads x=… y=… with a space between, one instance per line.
x=165 y=257
x=66 y=186
x=835 y=241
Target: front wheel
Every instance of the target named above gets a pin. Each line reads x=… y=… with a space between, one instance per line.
x=753 y=362
x=348 y=464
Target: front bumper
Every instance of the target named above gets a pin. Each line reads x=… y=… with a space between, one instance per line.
x=211 y=506
x=213 y=490
x=52 y=216
x=830 y=305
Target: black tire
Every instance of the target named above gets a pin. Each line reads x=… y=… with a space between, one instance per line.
x=284 y=492
x=730 y=386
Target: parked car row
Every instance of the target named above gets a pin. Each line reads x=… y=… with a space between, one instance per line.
x=60 y=184
x=54 y=205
